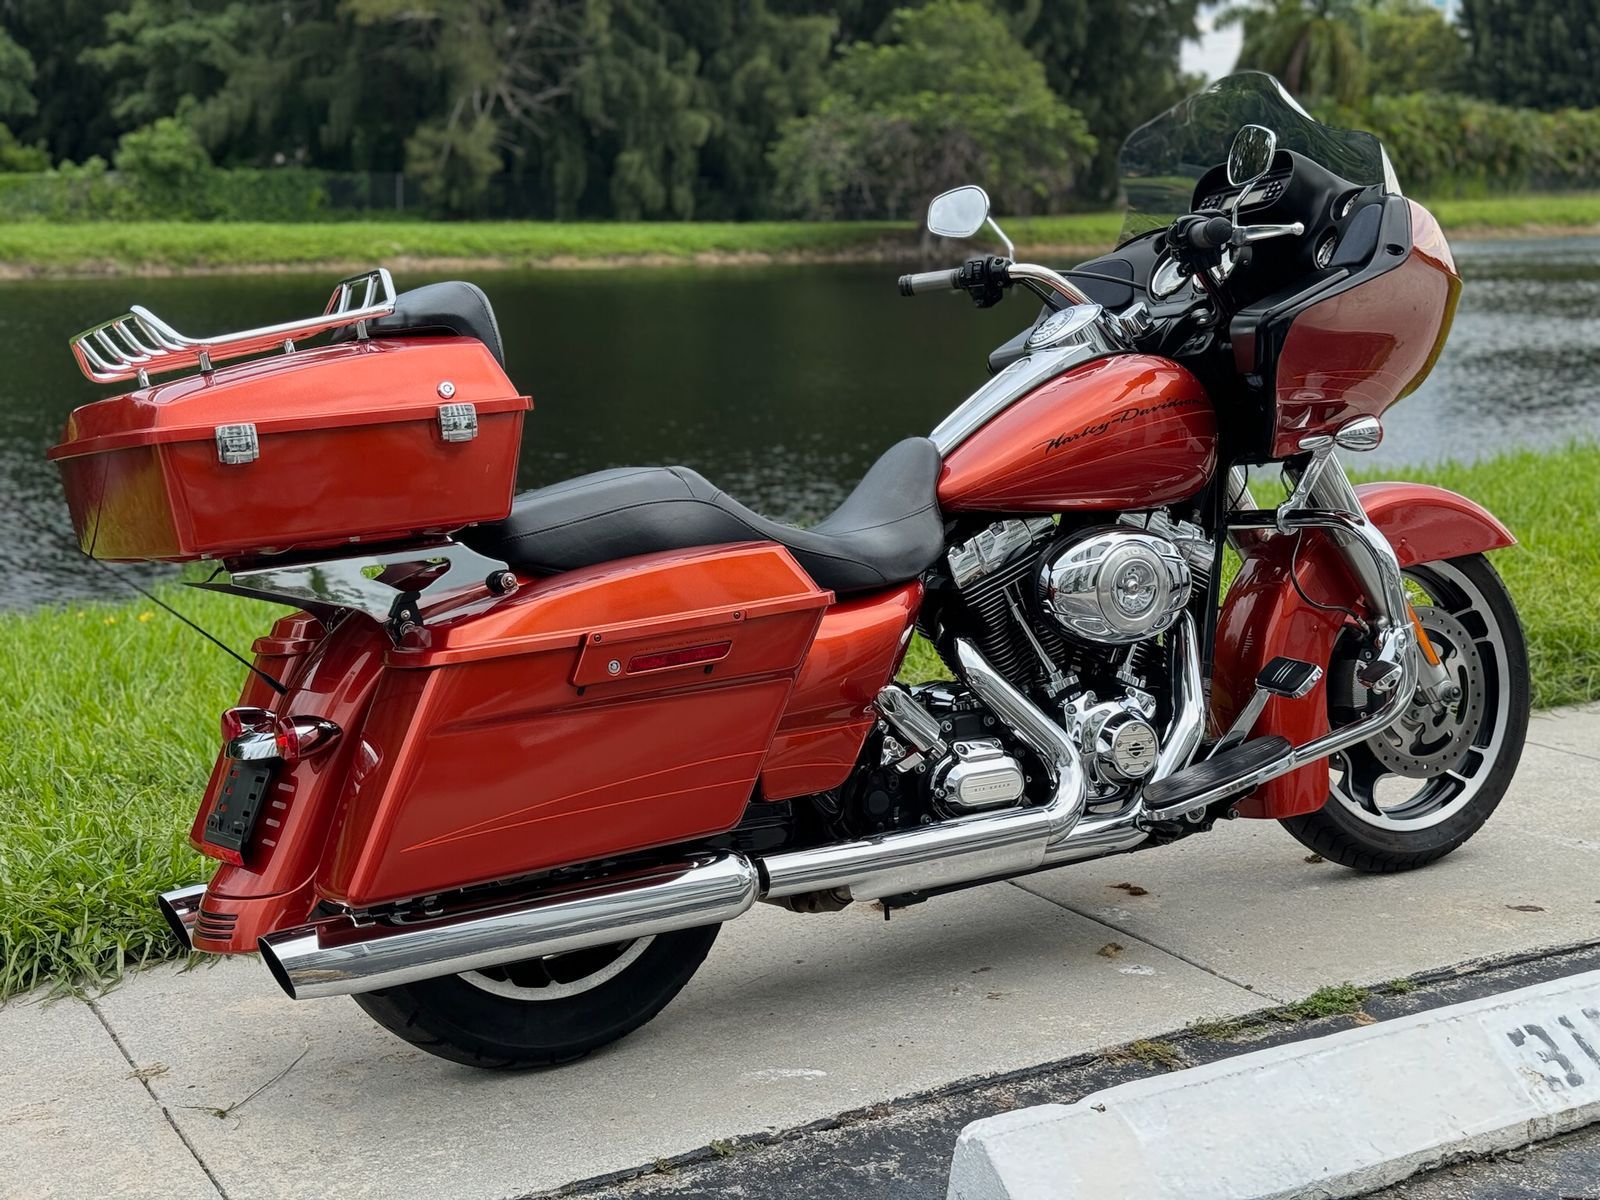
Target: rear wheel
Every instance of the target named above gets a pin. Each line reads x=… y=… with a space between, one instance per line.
x=1422 y=787
x=542 y=1011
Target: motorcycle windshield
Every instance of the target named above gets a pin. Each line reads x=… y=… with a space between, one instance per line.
x=1163 y=159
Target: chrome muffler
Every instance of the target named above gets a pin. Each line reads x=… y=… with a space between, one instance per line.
x=181 y=908
x=342 y=956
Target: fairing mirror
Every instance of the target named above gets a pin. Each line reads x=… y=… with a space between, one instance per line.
x=1251 y=155
x=958 y=213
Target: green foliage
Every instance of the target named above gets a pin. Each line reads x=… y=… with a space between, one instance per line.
x=1117 y=64
x=112 y=726
x=159 y=53
x=659 y=109
x=1324 y=1002
x=1412 y=48
x=947 y=97
x=14 y=156
x=164 y=169
x=1539 y=53
x=1312 y=46
x=455 y=161
x=17 y=74
x=1445 y=144
x=91 y=192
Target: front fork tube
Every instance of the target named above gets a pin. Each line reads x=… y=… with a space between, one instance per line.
x=1324 y=500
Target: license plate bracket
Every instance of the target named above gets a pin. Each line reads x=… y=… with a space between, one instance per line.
x=239 y=801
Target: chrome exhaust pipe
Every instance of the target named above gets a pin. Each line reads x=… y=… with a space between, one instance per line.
x=342 y=956
x=1005 y=842
x=181 y=908
x=1117 y=833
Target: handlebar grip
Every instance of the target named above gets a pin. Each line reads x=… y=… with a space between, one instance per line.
x=930 y=281
x=1209 y=234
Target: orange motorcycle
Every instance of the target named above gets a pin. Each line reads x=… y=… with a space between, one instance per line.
x=511 y=762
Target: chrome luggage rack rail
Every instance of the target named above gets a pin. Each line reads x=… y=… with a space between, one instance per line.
x=139 y=344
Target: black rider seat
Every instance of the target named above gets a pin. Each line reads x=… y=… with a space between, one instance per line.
x=887 y=531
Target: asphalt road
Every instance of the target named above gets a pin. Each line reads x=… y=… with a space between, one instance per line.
x=1567 y=1168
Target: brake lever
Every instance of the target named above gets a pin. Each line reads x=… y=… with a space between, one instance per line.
x=1243 y=235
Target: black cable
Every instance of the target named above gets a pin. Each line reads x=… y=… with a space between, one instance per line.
x=270 y=681
x=1294 y=578
x=1118 y=279
x=119 y=576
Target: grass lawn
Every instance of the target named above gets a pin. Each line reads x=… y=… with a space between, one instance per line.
x=131 y=247
x=111 y=723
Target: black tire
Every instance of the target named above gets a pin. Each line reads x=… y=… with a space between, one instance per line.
x=1380 y=844
x=457 y=1019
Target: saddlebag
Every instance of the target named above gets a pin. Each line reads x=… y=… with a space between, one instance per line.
x=585 y=716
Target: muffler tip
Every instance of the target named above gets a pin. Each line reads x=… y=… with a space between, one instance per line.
x=181 y=908
x=275 y=965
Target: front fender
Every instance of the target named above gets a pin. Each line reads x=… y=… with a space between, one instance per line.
x=1264 y=616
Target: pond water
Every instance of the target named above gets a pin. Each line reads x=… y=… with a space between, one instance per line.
x=781 y=384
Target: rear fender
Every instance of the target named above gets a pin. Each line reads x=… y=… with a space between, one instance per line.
x=1264 y=617
x=332 y=677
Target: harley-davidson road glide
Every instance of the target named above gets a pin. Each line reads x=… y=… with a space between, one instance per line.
x=512 y=762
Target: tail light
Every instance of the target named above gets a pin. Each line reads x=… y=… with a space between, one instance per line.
x=253 y=734
x=237 y=722
x=301 y=737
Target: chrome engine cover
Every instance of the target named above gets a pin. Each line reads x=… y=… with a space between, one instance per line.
x=1114 y=585
x=978 y=774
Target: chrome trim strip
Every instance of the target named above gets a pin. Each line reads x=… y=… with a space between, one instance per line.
x=1188 y=724
x=1016 y=381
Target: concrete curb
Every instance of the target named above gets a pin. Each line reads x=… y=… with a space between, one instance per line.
x=1337 y=1116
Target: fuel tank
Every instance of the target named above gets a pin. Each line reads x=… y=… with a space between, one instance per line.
x=1127 y=432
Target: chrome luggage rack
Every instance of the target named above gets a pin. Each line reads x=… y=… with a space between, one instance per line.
x=139 y=344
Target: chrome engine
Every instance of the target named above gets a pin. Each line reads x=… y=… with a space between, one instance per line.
x=1114 y=585
x=1074 y=618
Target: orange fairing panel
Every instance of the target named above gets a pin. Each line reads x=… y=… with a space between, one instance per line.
x=1130 y=431
x=1358 y=351
x=857 y=650
x=578 y=718
x=1264 y=617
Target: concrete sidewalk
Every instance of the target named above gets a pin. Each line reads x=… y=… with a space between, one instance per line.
x=209 y=1082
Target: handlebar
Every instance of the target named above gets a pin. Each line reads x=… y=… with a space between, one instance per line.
x=931 y=281
x=1202 y=233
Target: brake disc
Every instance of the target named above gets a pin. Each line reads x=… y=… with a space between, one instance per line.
x=1427 y=740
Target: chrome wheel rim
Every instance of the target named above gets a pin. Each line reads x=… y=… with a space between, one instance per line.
x=559 y=976
x=1430 y=764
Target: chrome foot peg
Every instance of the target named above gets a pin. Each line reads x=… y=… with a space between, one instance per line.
x=1234 y=770
x=1288 y=678
x=1378 y=676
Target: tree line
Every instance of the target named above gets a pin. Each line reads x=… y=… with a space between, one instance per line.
x=710 y=109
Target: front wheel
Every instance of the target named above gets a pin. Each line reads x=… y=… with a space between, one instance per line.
x=542 y=1011
x=1414 y=792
